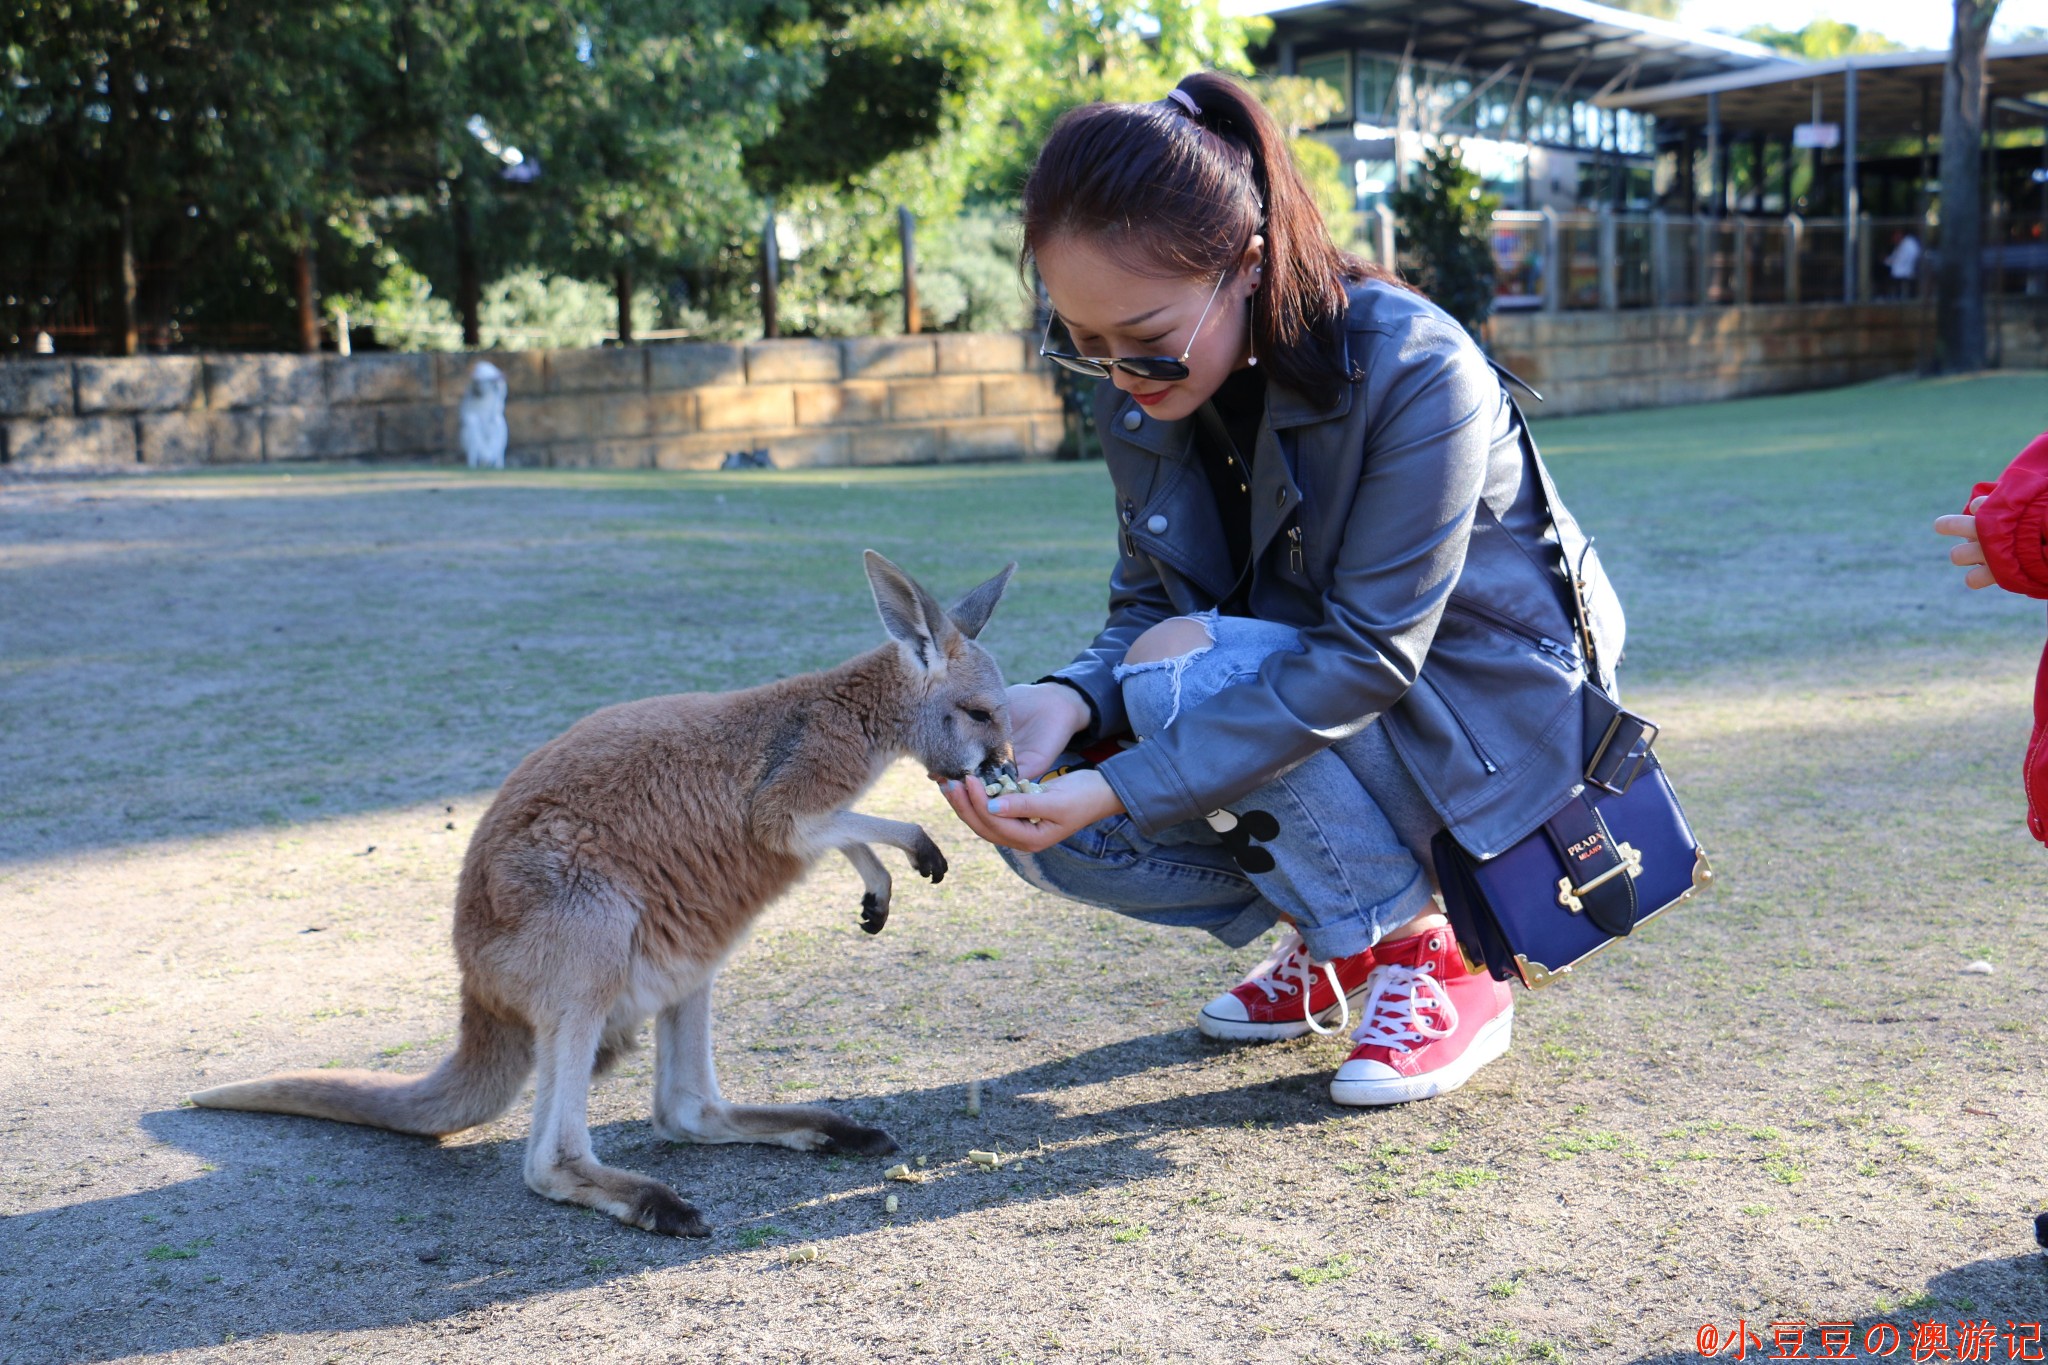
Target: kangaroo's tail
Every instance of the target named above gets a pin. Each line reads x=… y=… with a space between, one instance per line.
x=473 y=1085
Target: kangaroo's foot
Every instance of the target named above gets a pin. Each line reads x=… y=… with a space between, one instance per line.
x=926 y=859
x=805 y=1127
x=633 y=1199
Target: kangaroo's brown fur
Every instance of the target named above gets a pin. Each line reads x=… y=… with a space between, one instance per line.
x=624 y=861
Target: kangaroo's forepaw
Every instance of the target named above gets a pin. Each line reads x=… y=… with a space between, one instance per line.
x=845 y=1138
x=661 y=1210
x=874 y=913
x=926 y=859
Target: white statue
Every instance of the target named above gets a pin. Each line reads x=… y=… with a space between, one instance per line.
x=483 y=417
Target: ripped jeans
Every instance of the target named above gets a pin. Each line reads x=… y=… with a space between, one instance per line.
x=1338 y=843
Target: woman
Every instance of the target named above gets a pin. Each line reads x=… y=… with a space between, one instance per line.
x=1339 y=620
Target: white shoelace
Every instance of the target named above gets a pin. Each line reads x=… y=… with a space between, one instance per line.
x=1392 y=1012
x=1289 y=966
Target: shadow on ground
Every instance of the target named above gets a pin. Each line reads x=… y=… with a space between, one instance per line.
x=276 y=1237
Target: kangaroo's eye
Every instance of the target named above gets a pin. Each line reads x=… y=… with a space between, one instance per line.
x=979 y=717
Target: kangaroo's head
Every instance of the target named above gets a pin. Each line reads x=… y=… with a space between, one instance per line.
x=959 y=720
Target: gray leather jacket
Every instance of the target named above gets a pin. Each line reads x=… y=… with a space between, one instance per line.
x=1405 y=532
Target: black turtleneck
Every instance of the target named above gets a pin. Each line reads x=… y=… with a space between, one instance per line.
x=1239 y=404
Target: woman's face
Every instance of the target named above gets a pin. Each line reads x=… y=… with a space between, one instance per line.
x=1111 y=310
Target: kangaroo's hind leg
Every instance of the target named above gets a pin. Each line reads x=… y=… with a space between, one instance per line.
x=559 y=1161
x=688 y=1107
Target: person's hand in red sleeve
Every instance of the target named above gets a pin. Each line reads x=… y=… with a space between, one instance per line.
x=2004 y=533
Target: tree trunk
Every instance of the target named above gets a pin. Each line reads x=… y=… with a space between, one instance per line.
x=622 y=286
x=309 y=301
x=468 y=289
x=127 y=328
x=1959 y=298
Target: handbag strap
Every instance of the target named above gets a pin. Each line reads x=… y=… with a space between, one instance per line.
x=1572 y=542
x=1599 y=874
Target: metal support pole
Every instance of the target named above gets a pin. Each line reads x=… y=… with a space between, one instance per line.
x=1795 y=242
x=1703 y=260
x=1716 y=167
x=1852 y=202
x=1742 y=247
x=1660 y=259
x=1610 y=267
x=1383 y=236
x=1553 y=265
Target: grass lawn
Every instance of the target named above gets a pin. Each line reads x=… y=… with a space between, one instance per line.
x=248 y=719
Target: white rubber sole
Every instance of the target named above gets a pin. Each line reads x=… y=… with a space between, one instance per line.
x=1245 y=1031
x=1491 y=1042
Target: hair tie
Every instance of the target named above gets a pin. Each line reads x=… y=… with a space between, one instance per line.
x=1185 y=101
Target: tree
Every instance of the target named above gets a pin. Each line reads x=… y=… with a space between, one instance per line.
x=1445 y=217
x=1655 y=9
x=1821 y=39
x=1959 y=277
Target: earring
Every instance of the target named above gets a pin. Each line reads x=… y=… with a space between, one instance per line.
x=1252 y=358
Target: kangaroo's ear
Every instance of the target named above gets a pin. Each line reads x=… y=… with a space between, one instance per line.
x=909 y=613
x=971 y=612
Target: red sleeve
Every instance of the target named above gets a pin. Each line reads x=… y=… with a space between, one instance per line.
x=2012 y=525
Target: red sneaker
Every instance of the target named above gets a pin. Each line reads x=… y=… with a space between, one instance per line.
x=1430 y=1022
x=1285 y=996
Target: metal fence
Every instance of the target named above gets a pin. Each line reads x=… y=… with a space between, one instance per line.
x=1583 y=261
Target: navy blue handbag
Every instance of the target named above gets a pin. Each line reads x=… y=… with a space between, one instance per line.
x=1618 y=853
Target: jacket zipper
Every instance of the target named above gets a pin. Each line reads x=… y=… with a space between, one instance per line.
x=1294 y=556
x=1470 y=738
x=1130 y=510
x=1510 y=626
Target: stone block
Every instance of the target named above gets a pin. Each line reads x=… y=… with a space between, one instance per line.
x=597 y=369
x=380 y=378
x=986 y=352
x=1048 y=434
x=264 y=381
x=174 y=438
x=324 y=433
x=989 y=439
x=753 y=406
x=888 y=357
x=167 y=383
x=575 y=417
x=35 y=388
x=69 y=442
x=617 y=454
x=855 y=401
x=418 y=429
x=922 y=400
x=811 y=449
x=690 y=452
x=896 y=445
x=793 y=362
x=525 y=372
x=693 y=364
x=1018 y=393
x=671 y=413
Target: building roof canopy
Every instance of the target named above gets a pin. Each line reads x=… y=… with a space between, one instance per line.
x=1592 y=46
x=1893 y=90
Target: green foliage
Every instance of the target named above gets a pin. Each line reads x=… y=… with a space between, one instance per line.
x=1444 y=217
x=1821 y=39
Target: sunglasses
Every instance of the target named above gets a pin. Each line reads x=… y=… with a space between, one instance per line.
x=1164 y=369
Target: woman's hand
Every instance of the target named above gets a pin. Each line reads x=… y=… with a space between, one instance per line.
x=1970 y=553
x=1043 y=718
x=1067 y=804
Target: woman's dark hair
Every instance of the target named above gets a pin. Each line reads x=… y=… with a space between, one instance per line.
x=1179 y=194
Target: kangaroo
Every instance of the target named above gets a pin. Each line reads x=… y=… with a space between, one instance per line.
x=623 y=862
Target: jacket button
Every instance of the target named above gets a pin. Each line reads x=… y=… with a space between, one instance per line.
x=1156 y=525
x=1280 y=497
x=1133 y=420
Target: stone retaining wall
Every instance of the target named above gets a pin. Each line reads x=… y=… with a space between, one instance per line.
x=872 y=400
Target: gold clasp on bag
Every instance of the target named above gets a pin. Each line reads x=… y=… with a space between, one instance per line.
x=1631 y=863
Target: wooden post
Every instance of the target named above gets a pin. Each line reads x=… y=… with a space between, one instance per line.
x=906 y=229
x=771 y=272
x=306 y=280
x=1852 y=200
x=622 y=287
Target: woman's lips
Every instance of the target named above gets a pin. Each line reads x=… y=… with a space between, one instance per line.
x=1148 y=399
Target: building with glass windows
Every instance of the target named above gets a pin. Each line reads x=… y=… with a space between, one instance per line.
x=1517 y=82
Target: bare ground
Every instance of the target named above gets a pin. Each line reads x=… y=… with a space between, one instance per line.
x=240 y=714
